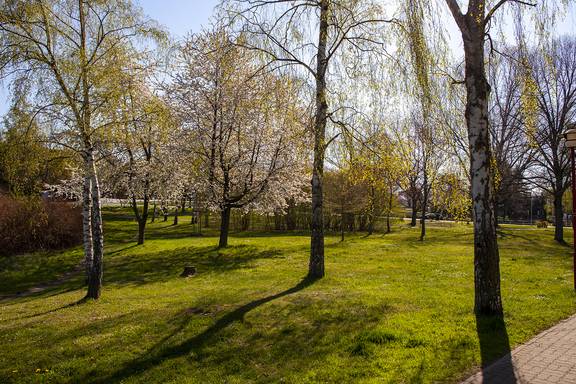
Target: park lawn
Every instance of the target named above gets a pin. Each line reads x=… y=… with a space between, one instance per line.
x=390 y=310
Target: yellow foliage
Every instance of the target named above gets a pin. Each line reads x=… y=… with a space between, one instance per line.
x=529 y=102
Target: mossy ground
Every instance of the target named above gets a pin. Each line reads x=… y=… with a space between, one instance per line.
x=391 y=309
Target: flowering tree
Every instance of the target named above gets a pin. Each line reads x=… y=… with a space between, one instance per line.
x=243 y=126
x=142 y=161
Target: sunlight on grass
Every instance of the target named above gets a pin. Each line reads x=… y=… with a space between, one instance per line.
x=391 y=309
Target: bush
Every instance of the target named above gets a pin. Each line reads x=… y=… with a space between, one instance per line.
x=31 y=224
x=542 y=224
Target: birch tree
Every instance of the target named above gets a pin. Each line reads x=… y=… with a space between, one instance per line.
x=71 y=53
x=473 y=26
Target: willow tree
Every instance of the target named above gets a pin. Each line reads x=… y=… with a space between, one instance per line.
x=70 y=55
x=474 y=27
x=378 y=165
x=308 y=36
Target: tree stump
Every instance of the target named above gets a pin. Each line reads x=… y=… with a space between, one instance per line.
x=188 y=271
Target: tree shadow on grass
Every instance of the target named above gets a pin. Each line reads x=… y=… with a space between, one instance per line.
x=197 y=342
x=24 y=296
x=547 y=247
x=65 y=282
x=69 y=305
x=497 y=364
x=138 y=269
x=121 y=249
x=269 y=233
x=55 y=293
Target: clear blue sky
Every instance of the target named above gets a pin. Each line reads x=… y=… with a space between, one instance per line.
x=179 y=16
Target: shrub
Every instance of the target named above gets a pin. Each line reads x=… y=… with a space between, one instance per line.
x=542 y=224
x=31 y=224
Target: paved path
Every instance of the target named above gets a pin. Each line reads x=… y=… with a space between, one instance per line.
x=549 y=358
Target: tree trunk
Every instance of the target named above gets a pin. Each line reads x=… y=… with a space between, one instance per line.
x=424 y=206
x=87 y=223
x=224 y=227
x=371 y=210
x=486 y=256
x=423 y=224
x=96 y=269
x=143 y=219
x=496 y=204
x=316 y=265
x=414 y=205
x=389 y=210
x=472 y=25
x=154 y=213
x=370 y=224
x=388 y=227
x=558 y=217
x=176 y=216
x=134 y=205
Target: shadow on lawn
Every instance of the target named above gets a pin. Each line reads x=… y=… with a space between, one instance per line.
x=14 y=300
x=196 y=343
x=522 y=242
x=140 y=269
x=69 y=305
x=497 y=364
x=165 y=265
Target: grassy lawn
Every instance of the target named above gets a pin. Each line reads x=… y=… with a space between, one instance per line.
x=390 y=310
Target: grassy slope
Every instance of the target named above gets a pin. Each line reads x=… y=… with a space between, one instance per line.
x=391 y=309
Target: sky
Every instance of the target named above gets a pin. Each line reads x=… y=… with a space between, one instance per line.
x=178 y=16
x=182 y=16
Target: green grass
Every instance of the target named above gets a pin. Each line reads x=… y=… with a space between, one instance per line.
x=390 y=310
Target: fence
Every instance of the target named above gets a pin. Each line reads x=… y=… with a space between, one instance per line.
x=296 y=220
